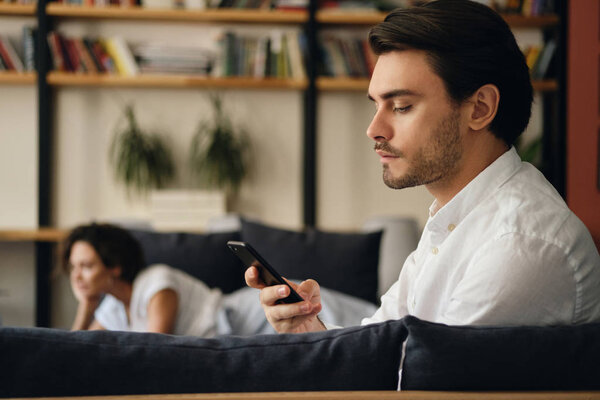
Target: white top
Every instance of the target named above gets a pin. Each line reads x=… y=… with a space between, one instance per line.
x=505 y=250
x=196 y=318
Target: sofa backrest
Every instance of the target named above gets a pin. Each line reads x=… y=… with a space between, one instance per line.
x=36 y=362
x=499 y=358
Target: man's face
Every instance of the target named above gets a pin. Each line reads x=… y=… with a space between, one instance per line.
x=417 y=129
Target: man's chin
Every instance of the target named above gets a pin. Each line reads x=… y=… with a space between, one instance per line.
x=399 y=182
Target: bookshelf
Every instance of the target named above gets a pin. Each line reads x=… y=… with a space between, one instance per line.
x=50 y=235
x=362 y=84
x=17 y=78
x=17 y=10
x=209 y=15
x=8 y=9
x=246 y=16
x=58 y=79
x=311 y=20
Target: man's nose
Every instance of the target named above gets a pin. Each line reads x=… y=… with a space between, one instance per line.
x=379 y=129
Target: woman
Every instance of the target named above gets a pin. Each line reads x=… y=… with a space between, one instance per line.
x=116 y=292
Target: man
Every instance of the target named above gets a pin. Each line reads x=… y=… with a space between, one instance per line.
x=452 y=93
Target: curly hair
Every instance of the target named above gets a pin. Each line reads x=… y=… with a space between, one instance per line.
x=115 y=247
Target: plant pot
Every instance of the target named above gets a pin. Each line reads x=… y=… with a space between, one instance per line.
x=185 y=210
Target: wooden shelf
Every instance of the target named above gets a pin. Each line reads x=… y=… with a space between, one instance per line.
x=33 y=235
x=211 y=15
x=548 y=85
x=17 y=78
x=171 y=81
x=349 y=17
x=342 y=84
x=188 y=81
x=17 y=9
x=335 y=17
x=540 y=21
x=362 y=84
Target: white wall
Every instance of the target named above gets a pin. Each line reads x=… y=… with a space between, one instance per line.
x=350 y=188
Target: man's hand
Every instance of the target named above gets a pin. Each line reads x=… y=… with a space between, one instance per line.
x=289 y=318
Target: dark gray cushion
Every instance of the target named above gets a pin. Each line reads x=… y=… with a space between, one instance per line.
x=440 y=357
x=205 y=257
x=346 y=262
x=47 y=362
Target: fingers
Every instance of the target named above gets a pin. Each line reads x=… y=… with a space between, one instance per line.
x=288 y=312
x=309 y=290
x=288 y=317
x=253 y=279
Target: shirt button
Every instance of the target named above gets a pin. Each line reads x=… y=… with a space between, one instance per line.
x=435 y=250
x=451 y=227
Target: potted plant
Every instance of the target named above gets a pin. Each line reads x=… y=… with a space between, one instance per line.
x=218 y=152
x=142 y=161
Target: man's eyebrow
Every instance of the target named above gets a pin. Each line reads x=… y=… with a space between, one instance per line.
x=395 y=93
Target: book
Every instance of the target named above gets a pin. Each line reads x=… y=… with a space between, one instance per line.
x=68 y=62
x=87 y=62
x=73 y=56
x=120 y=53
x=55 y=52
x=543 y=63
x=29 y=48
x=6 y=61
x=166 y=58
x=96 y=54
x=8 y=51
x=298 y=70
x=532 y=54
x=260 y=60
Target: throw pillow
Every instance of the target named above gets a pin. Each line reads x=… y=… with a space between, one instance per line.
x=441 y=357
x=205 y=257
x=48 y=362
x=346 y=262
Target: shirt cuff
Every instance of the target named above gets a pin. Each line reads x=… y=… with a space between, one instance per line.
x=330 y=326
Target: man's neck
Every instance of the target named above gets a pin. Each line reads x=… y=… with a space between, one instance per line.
x=480 y=155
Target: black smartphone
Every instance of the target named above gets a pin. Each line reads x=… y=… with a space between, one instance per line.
x=251 y=258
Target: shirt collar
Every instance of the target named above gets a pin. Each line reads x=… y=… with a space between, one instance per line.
x=445 y=219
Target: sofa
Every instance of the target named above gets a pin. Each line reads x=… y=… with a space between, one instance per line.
x=446 y=361
x=423 y=359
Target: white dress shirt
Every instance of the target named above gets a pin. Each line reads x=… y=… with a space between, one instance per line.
x=505 y=250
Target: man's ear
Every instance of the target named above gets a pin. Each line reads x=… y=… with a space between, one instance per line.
x=485 y=106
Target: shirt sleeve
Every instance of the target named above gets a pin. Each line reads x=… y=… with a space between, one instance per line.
x=514 y=279
x=149 y=282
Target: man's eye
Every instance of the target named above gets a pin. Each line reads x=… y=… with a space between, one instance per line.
x=401 y=109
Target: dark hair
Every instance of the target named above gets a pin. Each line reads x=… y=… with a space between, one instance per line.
x=115 y=247
x=468 y=45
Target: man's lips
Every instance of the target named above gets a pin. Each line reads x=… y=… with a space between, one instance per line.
x=385 y=156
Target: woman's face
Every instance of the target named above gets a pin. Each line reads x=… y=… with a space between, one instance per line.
x=89 y=275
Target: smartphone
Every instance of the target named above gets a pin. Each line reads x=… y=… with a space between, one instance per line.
x=251 y=258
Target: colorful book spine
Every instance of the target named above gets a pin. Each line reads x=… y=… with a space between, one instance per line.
x=9 y=54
